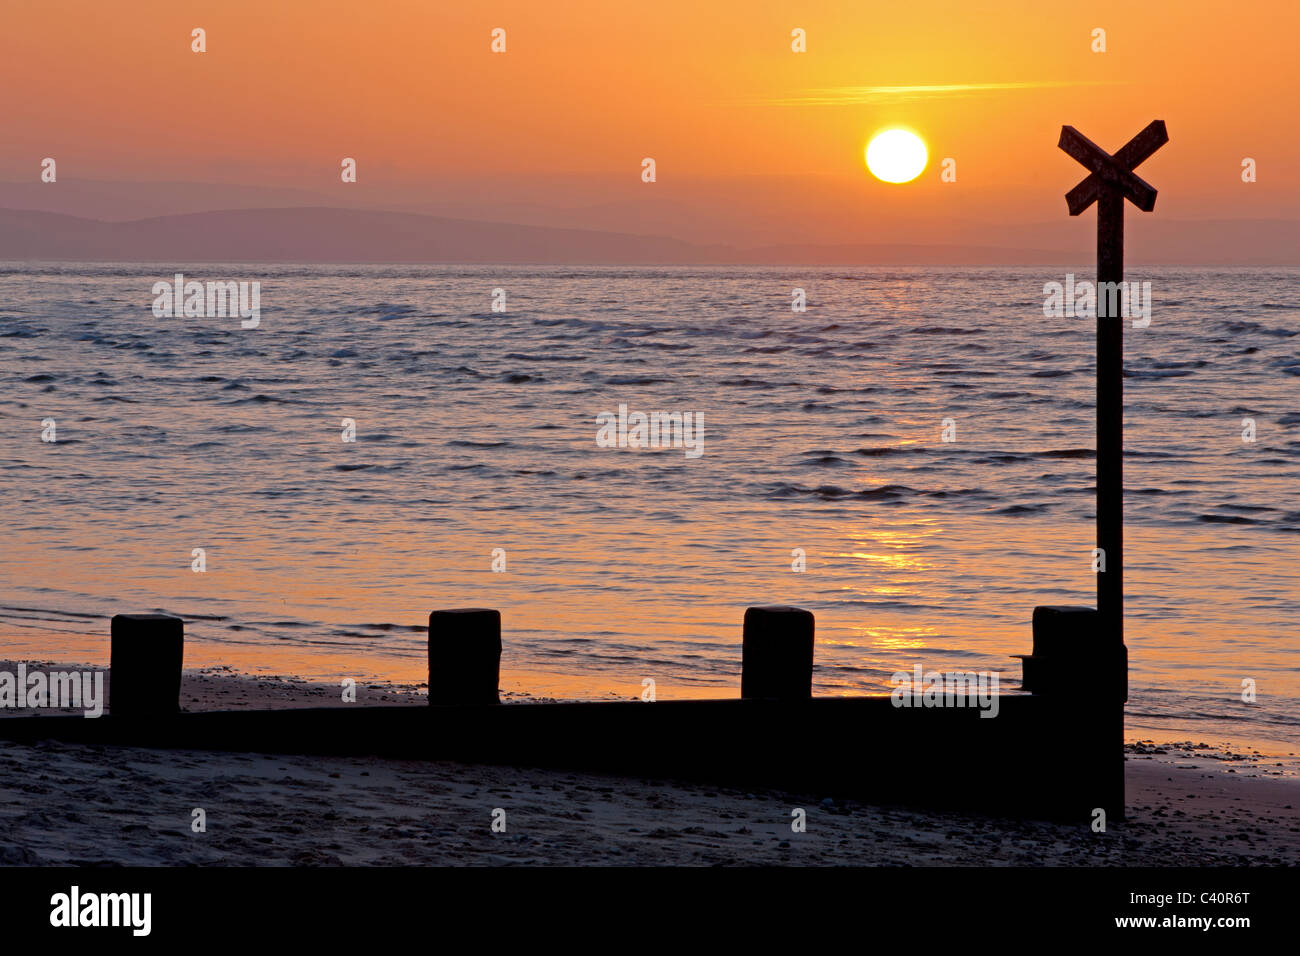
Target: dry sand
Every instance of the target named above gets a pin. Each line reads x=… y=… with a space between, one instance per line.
x=75 y=804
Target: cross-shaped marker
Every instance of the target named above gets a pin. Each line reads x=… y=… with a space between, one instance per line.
x=1114 y=171
x=1111 y=180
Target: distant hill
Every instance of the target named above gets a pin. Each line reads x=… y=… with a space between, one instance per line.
x=333 y=235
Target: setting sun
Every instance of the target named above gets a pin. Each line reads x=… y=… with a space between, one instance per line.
x=896 y=156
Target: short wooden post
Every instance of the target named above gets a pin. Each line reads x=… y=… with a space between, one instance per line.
x=1072 y=657
x=777 y=654
x=145 y=657
x=1083 y=676
x=464 y=656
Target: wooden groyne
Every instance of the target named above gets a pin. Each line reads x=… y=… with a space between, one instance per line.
x=1053 y=751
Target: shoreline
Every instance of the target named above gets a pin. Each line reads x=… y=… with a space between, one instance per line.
x=1188 y=803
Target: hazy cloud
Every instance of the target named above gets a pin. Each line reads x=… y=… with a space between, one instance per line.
x=854 y=95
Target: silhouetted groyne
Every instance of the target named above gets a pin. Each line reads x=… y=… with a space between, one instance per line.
x=1054 y=750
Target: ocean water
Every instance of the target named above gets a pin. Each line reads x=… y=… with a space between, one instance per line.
x=476 y=430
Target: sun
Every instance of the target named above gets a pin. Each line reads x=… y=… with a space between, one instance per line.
x=896 y=156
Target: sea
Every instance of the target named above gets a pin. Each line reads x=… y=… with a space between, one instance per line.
x=910 y=456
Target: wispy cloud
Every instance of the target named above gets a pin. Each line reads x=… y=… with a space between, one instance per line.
x=855 y=95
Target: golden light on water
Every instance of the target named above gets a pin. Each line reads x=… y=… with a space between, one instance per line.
x=896 y=156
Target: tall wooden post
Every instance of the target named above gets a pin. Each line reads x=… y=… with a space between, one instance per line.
x=1110 y=417
x=1111 y=182
x=1096 y=723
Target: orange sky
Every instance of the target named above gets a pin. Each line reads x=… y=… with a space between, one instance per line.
x=709 y=88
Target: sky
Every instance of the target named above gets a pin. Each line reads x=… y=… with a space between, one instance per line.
x=750 y=139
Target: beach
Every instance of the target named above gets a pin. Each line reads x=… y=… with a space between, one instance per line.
x=1189 y=804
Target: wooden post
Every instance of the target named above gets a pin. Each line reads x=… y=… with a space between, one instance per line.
x=777 y=653
x=1095 y=717
x=146 y=652
x=1084 y=682
x=1070 y=658
x=1110 y=417
x=464 y=656
x=1111 y=182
